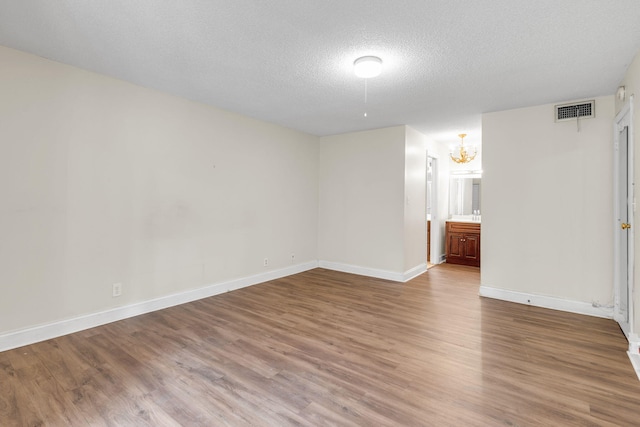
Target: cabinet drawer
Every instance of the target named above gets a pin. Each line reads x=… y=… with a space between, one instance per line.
x=463 y=227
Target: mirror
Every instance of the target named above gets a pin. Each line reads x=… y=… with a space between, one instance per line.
x=464 y=194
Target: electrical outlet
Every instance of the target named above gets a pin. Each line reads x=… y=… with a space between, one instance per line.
x=266 y=262
x=117 y=289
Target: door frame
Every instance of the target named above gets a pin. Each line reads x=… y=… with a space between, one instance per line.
x=624 y=118
x=436 y=250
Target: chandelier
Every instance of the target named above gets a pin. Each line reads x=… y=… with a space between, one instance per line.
x=460 y=154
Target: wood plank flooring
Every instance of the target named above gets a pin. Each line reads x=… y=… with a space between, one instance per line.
x=326 y=348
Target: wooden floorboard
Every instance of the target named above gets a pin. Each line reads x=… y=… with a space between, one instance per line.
x=326 y=348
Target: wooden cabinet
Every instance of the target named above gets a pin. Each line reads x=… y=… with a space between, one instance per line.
x=462 y=243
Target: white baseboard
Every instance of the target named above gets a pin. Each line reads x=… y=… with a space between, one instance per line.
x=635 y=362
x=634 y=352
x=362 y=271
x=52 y=330
x=634 y=343
x=414 y=272
x=372 y=272
x=571 y=306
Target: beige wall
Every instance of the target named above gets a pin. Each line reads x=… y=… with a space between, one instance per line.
x=373 y=201
x=361 y=191
x=102 y=181
x=415 y=208
x=547 y=204
x=631 y=82
x=105 y=182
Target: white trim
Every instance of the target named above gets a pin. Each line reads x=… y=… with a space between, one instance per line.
x=624 y=118
x=414 y=272
x=631 y=253
x=361 y=271
x=52 y=330
x=634 y=352
x=554 y=303
x=634 y=344
x=635 y=362
x=372 y=272
x=436 y=250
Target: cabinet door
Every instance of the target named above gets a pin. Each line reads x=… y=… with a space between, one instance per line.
x=456 y=245
x=472 y=247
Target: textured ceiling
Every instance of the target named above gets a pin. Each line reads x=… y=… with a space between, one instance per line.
x=290 y=61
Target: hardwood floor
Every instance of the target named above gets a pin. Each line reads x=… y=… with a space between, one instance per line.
x=328 y=348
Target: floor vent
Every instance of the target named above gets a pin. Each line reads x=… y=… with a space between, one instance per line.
x=583 y=110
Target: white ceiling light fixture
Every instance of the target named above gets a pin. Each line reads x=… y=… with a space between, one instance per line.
x=367 y=67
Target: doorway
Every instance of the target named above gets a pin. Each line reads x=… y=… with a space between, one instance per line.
x=432 y=217
x=623 y=219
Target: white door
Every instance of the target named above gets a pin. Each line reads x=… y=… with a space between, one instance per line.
x=624 y=204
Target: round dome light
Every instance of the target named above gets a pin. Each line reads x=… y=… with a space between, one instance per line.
x=367 y=67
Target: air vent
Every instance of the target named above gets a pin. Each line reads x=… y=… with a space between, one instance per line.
x=583 y=110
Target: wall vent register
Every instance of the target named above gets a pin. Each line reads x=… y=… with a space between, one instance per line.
x=582 y=110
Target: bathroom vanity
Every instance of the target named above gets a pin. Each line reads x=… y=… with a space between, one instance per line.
x=462 y=242
x=462 y=229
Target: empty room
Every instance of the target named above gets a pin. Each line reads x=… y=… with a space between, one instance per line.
x=347 y=213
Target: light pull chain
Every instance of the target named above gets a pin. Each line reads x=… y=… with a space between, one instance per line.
x=365 y=97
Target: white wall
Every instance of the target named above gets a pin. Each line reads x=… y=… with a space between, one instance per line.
x=547 y=204
x=372 y=216
x=631 y=82
x=102 y=181
x=415 y=178
x=361 y=199
x=105 y=182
